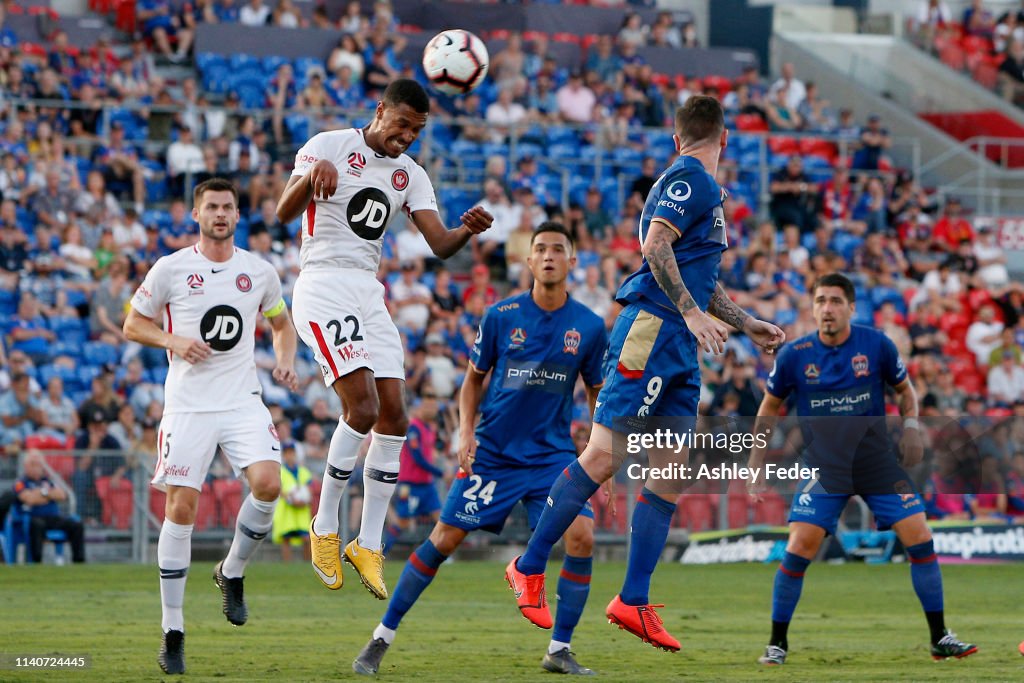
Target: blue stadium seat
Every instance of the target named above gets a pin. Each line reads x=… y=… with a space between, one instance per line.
x=158 y=375
x=272 y=63
x=101 y=353
x=557 y=135
x=239 y=61
x=205 y=60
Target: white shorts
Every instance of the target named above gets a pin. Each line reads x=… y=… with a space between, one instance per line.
x=340 y=315
x=187 y=443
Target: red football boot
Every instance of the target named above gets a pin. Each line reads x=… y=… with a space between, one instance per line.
x=643 y=622
x=530 y=595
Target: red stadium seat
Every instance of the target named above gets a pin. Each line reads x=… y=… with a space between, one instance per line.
x=953 y=57
x=563 y=37
x=157 y=503
x=314 y=490
x=816 y=147
x=751 y=123
x=206 y=515
x=720 y=83
x=986 y=75
x=772 y=509
x=228 y=494
x=780 y=144
x=696 y=512
x=116 y=501
x=48 y=442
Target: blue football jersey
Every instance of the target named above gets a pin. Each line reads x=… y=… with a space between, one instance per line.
x=686 y=197
x=536 y=356
x=831 y=381
x=839 y=392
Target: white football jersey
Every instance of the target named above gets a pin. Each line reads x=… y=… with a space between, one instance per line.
x=347 y=230
x=218 y=303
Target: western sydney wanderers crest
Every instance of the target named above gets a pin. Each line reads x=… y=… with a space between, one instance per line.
x=243 y=282
x=571 y=342
x=399 y=180
x=860 y=365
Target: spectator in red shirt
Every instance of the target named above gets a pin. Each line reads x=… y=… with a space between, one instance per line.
x=481 y=283
x=952 y=228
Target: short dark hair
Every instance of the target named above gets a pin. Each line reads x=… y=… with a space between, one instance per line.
x=407 y=91
x=700 y=119
x=214 y=185
x=553 y=226
x=836 y=280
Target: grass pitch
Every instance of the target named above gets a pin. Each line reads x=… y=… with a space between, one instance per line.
x=855 y=623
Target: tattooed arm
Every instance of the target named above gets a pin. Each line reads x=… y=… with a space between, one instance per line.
x=657 y=249
x=911 y=444
x=723 y=308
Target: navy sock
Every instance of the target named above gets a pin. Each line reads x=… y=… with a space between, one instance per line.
x=416 y=576
x=573 y=589
x=927 y=579
x=391 y=534
x=568 y=495
x=789 y=581
x=652 y=517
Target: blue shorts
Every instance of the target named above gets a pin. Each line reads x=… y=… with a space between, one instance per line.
x=650 y=369
x=824 y=509
x=416 y=500
x=486 y=499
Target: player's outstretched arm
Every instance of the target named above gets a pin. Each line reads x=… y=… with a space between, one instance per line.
x=139 y=328
x=285 y=341
x=767 y=414
x=766 y=335
x=320 y=182
x=657 y=249
x=469 y=403
x=444 y=242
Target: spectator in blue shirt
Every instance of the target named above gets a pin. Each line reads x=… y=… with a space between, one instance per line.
x=39 y=497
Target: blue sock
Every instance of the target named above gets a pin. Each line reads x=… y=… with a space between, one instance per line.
x=648 y=531
x=789 y=581
x=416 y=576
x=391 y=534
x=573 y=589
x=926 y=575
x=568 y=495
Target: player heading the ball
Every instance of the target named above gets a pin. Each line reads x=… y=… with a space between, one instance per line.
x=349 y=185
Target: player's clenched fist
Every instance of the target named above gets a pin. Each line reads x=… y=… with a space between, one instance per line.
x=192 y=350
x=323 y=178
x=477 y=220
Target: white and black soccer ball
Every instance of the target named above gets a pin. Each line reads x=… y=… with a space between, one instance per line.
x=455 y=61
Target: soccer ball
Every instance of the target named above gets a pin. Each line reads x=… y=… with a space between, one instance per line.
x=455 y=61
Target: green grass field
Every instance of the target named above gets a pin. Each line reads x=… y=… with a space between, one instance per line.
x=855 y=622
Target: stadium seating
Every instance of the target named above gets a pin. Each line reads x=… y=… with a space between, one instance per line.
x=116 y=499
x=228 y=494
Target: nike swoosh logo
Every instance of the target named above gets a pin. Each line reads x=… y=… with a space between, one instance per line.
x=518 y=594
x=274 y=449
x=329 y=580
x=215 y=271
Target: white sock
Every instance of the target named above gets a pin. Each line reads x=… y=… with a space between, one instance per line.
x=173 y=556
x=382 y=631
x=255 y=518
x=556 y=646
x=380 y=475
x=341 y=458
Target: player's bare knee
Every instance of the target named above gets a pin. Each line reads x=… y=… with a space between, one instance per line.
x=913 y=530
x=180 y=511
x=580 y=543
x=362 y=415
x=597 y=463
x=446 y=538
x=266 y=489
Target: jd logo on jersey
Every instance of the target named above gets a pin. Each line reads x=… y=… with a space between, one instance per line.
x=221 y=328
x=368 y=213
